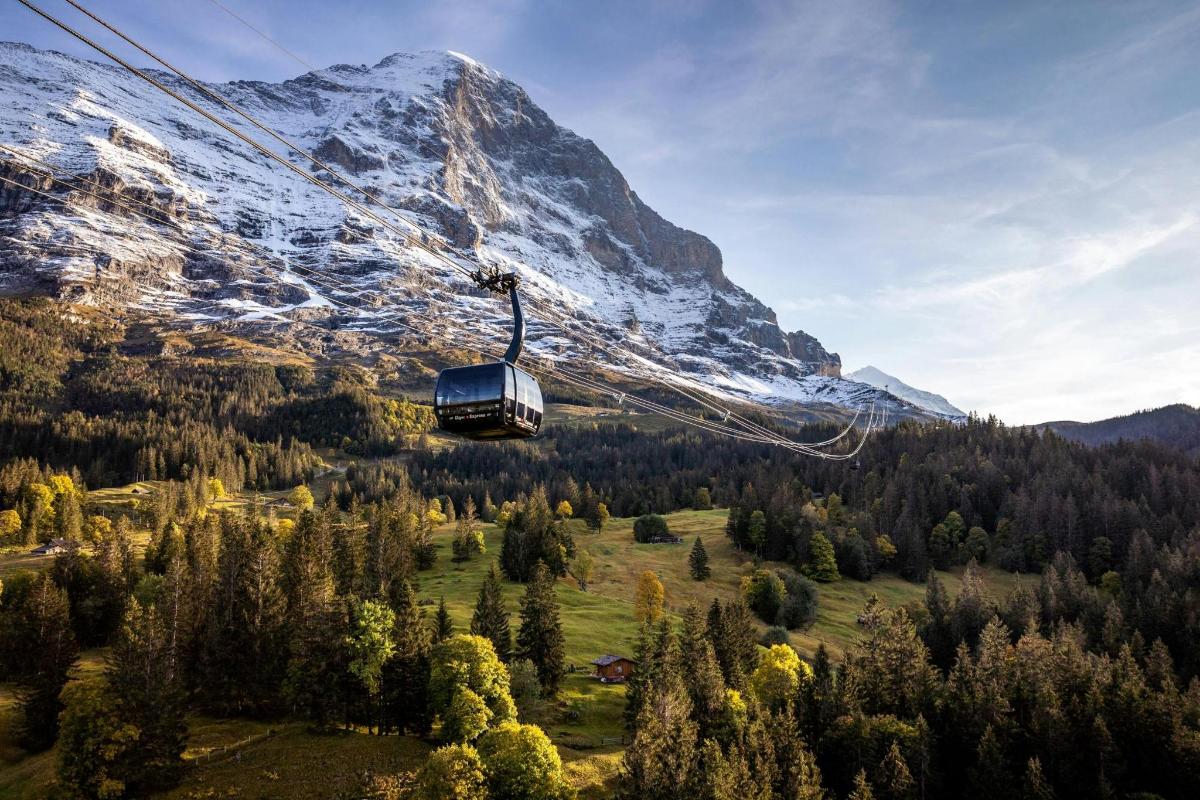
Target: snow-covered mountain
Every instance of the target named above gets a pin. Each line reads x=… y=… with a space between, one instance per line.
x=451 y=144
x=933 y=403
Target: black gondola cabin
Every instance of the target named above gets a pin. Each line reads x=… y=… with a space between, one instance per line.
x=488 y=401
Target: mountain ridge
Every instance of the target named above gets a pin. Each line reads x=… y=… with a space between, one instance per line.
x=1177 y=425
x=456 y=147
x=934 y=403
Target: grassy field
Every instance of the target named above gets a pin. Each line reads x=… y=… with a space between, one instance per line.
x=291 y=762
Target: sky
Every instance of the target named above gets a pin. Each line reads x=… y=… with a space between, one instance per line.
x=998 y=202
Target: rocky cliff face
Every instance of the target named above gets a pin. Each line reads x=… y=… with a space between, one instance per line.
x=458 y=149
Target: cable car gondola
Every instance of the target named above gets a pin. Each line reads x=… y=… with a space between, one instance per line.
x=492 y=401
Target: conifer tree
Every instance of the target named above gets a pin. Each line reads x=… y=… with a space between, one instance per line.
x=701 y=672
x=822 y=564
x=490 y=619
x=316 y=622
x=698 y=561
x=895 y=779
x=1035 y=785
x=143 y=673
x=862 y=788
x=245 y=652
x=731 y=630
x=42 y=636
x=443 y=628
x=661 y=762
x=406 y=674
x=540 y=638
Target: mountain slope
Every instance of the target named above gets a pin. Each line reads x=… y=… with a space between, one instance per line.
x=455 y=147
x=934 y=403
x=1176 y=425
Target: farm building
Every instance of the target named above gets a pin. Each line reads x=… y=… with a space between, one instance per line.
x=613 y=669
x=54 y=547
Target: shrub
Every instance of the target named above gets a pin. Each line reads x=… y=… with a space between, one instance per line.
x=776 y=634
x=453 y=772
x=522 y=764
x=800 y=604
x=649 y=526
x=764 y=593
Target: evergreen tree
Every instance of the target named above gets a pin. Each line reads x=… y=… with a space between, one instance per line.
x=245 y=649
x=731 y=630
x=443 y=628
x=895 y=779
x=698 y=561
x=490 y=619
x=799 y=778
x=822 y=564
x=143 y=673
x=43 y=639
x=701 y=671
x=862 y=788
x=316 y=622
x=935 y=630
x=540 y=638
x=406 y=675
x=661 y=762
x=1035 y=786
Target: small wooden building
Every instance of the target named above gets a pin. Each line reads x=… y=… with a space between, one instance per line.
x=613 y=669
x=54 y=547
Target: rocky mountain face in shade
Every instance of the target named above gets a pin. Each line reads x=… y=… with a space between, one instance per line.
x=456 y=149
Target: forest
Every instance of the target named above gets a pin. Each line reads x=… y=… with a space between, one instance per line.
x=1083 y=682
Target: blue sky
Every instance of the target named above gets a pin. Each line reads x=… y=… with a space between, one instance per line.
x=997 y=201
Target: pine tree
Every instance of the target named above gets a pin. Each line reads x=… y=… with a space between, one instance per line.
x=143 y=673
x=406 y=675
x=701 y=672
x=661 y=762
x=490 y=619
x=244 y=658
x=735 y=640
x=316 y=622
x=443 y=628
x=798 y=777
x=540 y=638
x=42 y=636
x=822 y=564
x=1035 y=786
x=861 y=789
x=895 y=779
x=698 y=561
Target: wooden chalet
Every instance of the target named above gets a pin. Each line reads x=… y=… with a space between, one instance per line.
x=614 y=669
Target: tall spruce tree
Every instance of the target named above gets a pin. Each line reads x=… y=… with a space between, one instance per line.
x=701 y=671
x=540 y=638
x=43 y=638
x=490 y=619
x=143 y=673
x=245 y=653
x=316 y=622
x=406 y=675
x=698 y=561
x=443 y=628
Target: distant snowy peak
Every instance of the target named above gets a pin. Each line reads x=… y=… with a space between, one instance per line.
x=451 y=145
x=934 y=403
